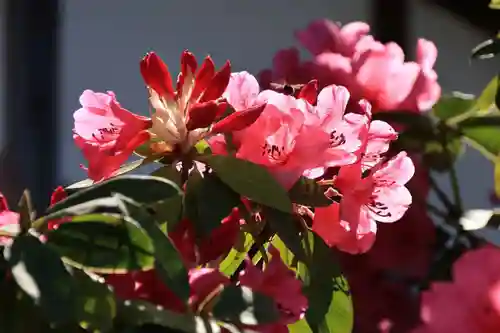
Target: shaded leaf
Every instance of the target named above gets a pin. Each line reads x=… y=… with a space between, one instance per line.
x=168 y=212
x=40 y=273
x=330 y=307
x=169 y=172
x=287 y=229
x=308 y=192
x=168 y=261
x=241 y=305
x=250 y=180
x=208 y=202
x=151 y=189
x=103 y=247
x=96 y=303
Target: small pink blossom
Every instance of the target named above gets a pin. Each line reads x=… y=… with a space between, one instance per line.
x=471 y=303
x=380 y=196
x=106 y=133
x=278 y=282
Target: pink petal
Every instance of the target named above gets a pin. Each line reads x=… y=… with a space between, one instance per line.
x=242 y=90
x=426 y=53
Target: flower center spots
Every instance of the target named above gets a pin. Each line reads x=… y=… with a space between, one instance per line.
x=379 y=208
x=274 y=152
x=337 y=138
x=105 y=132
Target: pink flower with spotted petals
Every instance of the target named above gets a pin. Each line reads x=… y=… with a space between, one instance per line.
x=380 y=196
x=278 y=282
x=106 y=133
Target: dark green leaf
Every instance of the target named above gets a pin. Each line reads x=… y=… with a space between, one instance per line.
x=330 y=308
x=241 y=305
x=102 y=247
x=287 y=229
x=40 y=273
x=168 y=261
x=208 y=202
x=168 y=212
x=145 y=189
x=450 y=106
x=250 y=180
x=96 y=303
x=410 y=120
x=141 y=312
x=487 y=49
x=441 y=157
x=169 y=172
x=26 y=211
x=308 y=192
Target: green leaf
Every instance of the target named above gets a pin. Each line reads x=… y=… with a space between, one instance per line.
x=140 y=312
x=40 y=273
x=415 y=121
x=454 y=105
x=208 y=202
x=233 y=260
x=486 y=101
x=330 y=307
x=495 y=4
x=151 y=189
x=145 y=150
x=169 y=172
x=168 y=261
x=96 y=303
x=250 y=180
x=486 y=49
x=287 y=229
x=308 y=192
x=103 y=247
x=168 y=212
x=241 y=305
x=26 y=211
x=483 y=133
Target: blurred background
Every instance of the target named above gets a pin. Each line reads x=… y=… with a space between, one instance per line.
x=53 y=50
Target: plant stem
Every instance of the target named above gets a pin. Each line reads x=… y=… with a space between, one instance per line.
x=456 y=190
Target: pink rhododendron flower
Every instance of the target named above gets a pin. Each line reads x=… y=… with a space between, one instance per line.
x=291 y=136
x=186 y=115
x=9 y=221
x=471 y=303
x=106 y=133
x=278 y=282
x=380 y=196
x=349 y=56
x=197 y=251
